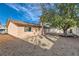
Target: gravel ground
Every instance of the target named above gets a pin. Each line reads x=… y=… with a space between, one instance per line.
x=11 y=46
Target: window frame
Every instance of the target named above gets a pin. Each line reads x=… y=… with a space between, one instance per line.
x=27 y=29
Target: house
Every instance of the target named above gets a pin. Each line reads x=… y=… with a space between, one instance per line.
x=0 y=25
x=3 y=29
x=22 y=30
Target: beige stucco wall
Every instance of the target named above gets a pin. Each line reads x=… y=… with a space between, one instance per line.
x=12 y=29
x=54 y=30
x=76 y=30
x=19 y=31
x=22 y=34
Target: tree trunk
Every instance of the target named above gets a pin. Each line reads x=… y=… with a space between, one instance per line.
x=71 y=31
x=65 y=32
x=43 y=31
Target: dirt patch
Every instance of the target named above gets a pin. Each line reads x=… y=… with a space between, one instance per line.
x=11 y=46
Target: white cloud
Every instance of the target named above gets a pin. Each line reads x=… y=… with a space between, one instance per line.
x=13 y=6
x=25 y=10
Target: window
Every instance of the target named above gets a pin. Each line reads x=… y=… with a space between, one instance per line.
x=27 y=29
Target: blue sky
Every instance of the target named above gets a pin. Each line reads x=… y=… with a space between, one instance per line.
x=22 y=12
